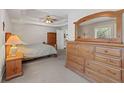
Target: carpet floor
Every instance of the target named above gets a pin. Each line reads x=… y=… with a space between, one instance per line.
x=48 y=70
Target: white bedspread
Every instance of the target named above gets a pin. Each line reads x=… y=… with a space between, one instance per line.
x=37 y=50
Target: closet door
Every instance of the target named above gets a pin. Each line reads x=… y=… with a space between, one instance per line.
x=51 y=38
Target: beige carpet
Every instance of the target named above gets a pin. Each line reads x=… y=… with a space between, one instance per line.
x=48 y=70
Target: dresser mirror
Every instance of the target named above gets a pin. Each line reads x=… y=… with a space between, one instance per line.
x=100 y=27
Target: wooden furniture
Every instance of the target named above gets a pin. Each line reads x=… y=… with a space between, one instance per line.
x=116 y=16
x=51 y=39
x=7 y=35
x=7 y=47
x=98 y=59
x=14 y=66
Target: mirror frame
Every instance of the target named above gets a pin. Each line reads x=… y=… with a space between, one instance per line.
x=116 y=14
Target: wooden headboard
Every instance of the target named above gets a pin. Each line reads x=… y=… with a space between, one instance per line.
x=7 y=47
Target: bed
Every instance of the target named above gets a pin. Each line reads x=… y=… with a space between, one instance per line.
x=32 y=51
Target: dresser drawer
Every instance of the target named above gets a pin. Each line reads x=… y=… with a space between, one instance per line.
x=98 y=77
x=123 y=75
x=71 y=51
x=104 y=69
x=71 y=46
x=108 y=60
x=76 y=66
x=78 y=60
x=109 y=51
x=86 y=51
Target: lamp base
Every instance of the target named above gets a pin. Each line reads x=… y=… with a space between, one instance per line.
x=13 y=51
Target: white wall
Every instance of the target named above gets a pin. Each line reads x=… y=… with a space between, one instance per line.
x=3 y=18
x=7 y=22
x=75 y=15
x=32 y=33
x=64 y=27
x=60 y=39
x=61 y=43
x=1 y=44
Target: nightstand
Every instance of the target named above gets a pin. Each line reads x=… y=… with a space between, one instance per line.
x=14 y=66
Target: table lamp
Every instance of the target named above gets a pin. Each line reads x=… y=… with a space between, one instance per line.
x=13 y=40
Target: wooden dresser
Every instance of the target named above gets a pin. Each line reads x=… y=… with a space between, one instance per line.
x=101 y=63
x=98 y=50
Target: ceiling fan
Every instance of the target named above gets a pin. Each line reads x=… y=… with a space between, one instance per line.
x=49 y=19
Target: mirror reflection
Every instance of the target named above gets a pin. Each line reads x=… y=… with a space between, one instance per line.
x=98 y=28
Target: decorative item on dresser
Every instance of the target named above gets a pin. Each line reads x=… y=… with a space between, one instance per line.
x=98 y=55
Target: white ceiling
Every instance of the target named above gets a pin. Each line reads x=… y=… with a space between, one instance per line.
x=36 y=16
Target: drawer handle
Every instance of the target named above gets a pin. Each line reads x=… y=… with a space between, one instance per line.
x=111 y=72
x=110 y=60
x=106 y=51
x=87 y=63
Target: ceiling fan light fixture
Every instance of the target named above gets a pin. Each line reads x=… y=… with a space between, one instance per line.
x=48 y=21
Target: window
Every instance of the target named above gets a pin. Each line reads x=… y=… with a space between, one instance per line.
x=103 y=32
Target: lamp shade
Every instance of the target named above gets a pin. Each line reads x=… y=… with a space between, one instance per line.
x=14 y=40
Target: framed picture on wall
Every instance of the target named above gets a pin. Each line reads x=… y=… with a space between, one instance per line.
x=3 y=26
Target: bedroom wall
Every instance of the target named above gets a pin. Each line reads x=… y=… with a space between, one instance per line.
x=2 y=56
x=60 y=36
x=65 y=28
x=32 y=33
x=75 y=15
x=3 y=18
